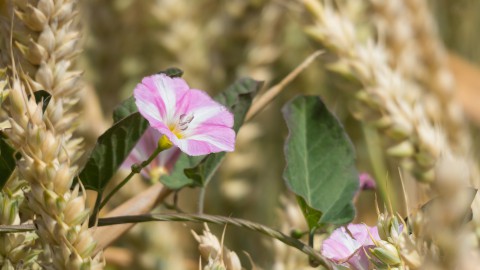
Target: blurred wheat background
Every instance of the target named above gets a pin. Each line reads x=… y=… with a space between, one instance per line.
x=215 y=42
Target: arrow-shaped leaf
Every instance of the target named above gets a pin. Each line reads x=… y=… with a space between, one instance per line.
x=320 y=162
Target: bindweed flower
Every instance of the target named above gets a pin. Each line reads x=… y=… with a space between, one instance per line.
x=162 y=164
x=366 y=182
x=189 y=118
x=346 y=246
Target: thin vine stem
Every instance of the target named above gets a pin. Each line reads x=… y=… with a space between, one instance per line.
x=17 y=228
x=201 y=199
x=96 y=209
x=221 y=220
x=136 y=168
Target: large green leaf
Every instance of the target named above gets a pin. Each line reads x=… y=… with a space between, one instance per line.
x=111 y=149
x=126 y=108
x=320 y=162
x=7 y=160
x=238 y=98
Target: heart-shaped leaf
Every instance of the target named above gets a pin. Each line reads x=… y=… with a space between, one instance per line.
x=320 y=162
x=111 y=149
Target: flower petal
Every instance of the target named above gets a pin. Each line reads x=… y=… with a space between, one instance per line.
x=165 y=102
x=204 y=109
x=363 y=233
x=157 y=96
x=340 y=246
x=209 y=139
x=366 y=182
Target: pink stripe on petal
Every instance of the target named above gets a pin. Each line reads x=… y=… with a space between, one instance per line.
x=170 y=90
x=220 y=138
x=148 y=99
x=210 y=117
x=193 y=100
x=340 y=246
x=360 y=233
x=204 y=109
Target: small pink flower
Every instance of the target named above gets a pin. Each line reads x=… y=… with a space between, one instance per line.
x=162 y=164
x=189 y=118
x=366 y=182
x=346 y=246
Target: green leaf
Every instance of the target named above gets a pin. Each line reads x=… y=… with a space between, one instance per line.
x=111 y=149
x=320 y=162
x=172 y=72
x=198 y=172
x=7 y=160
x=238 y=98
x=126 y=108
x=312 y=216
x=42 y=95
x=177 y=179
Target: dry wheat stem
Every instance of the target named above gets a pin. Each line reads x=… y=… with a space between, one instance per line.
x=220 y=220
x=275 y=90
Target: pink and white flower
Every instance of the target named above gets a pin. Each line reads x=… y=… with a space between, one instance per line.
x=189 y=118
x=161 y=165
x=346 y=246
x=366 y=182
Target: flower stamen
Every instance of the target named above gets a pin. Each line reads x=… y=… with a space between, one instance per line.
x=184 y=121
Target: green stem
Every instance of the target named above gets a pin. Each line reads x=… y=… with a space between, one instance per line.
x=96 y=209
x=136 y=168
x=220 y=220
x=201 y=199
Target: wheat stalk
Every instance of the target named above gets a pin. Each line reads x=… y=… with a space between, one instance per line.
x=415 y=49
x=46 y=38
x=61 y=217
